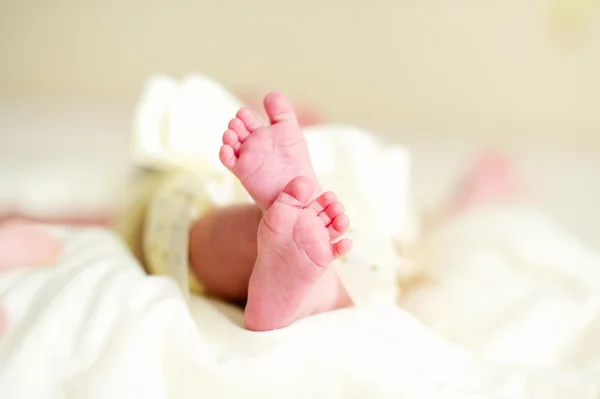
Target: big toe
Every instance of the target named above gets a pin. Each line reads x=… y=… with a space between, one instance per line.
x=299 y=190
x=279 y=108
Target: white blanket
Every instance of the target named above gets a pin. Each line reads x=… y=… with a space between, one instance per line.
x=98 y=327
x=512 y=286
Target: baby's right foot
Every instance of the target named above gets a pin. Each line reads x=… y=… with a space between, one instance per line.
x=292 y=277
x=265 y=158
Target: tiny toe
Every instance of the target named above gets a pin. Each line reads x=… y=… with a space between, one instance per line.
x=250 y=119
x=227 y=156
x=239 y=128
x=230 y=138
x=299 y=190
x=321 y=203
x=328 y=198
x=339 y=225
x=325 y=219
x=342 y=247
x=335 y=209
x=279 y=108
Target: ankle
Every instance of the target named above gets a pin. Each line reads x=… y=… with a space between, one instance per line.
x=329 y=295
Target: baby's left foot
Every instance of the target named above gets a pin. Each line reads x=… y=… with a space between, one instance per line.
x=291 y=277
x=265 y=157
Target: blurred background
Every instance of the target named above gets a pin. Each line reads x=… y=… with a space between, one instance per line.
x=444 y=78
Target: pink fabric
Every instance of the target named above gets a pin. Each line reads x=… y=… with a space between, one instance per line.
x=25 y=244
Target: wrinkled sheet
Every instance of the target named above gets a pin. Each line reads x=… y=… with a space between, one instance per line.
x=98 y=327
x=511 y=285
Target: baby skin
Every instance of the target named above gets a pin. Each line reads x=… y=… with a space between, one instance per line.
x=299 y=234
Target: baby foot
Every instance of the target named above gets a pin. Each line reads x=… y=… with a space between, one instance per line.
x=291 y=277
x=266 y=157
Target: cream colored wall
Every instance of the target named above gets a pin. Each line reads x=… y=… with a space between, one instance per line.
x=502 y=69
